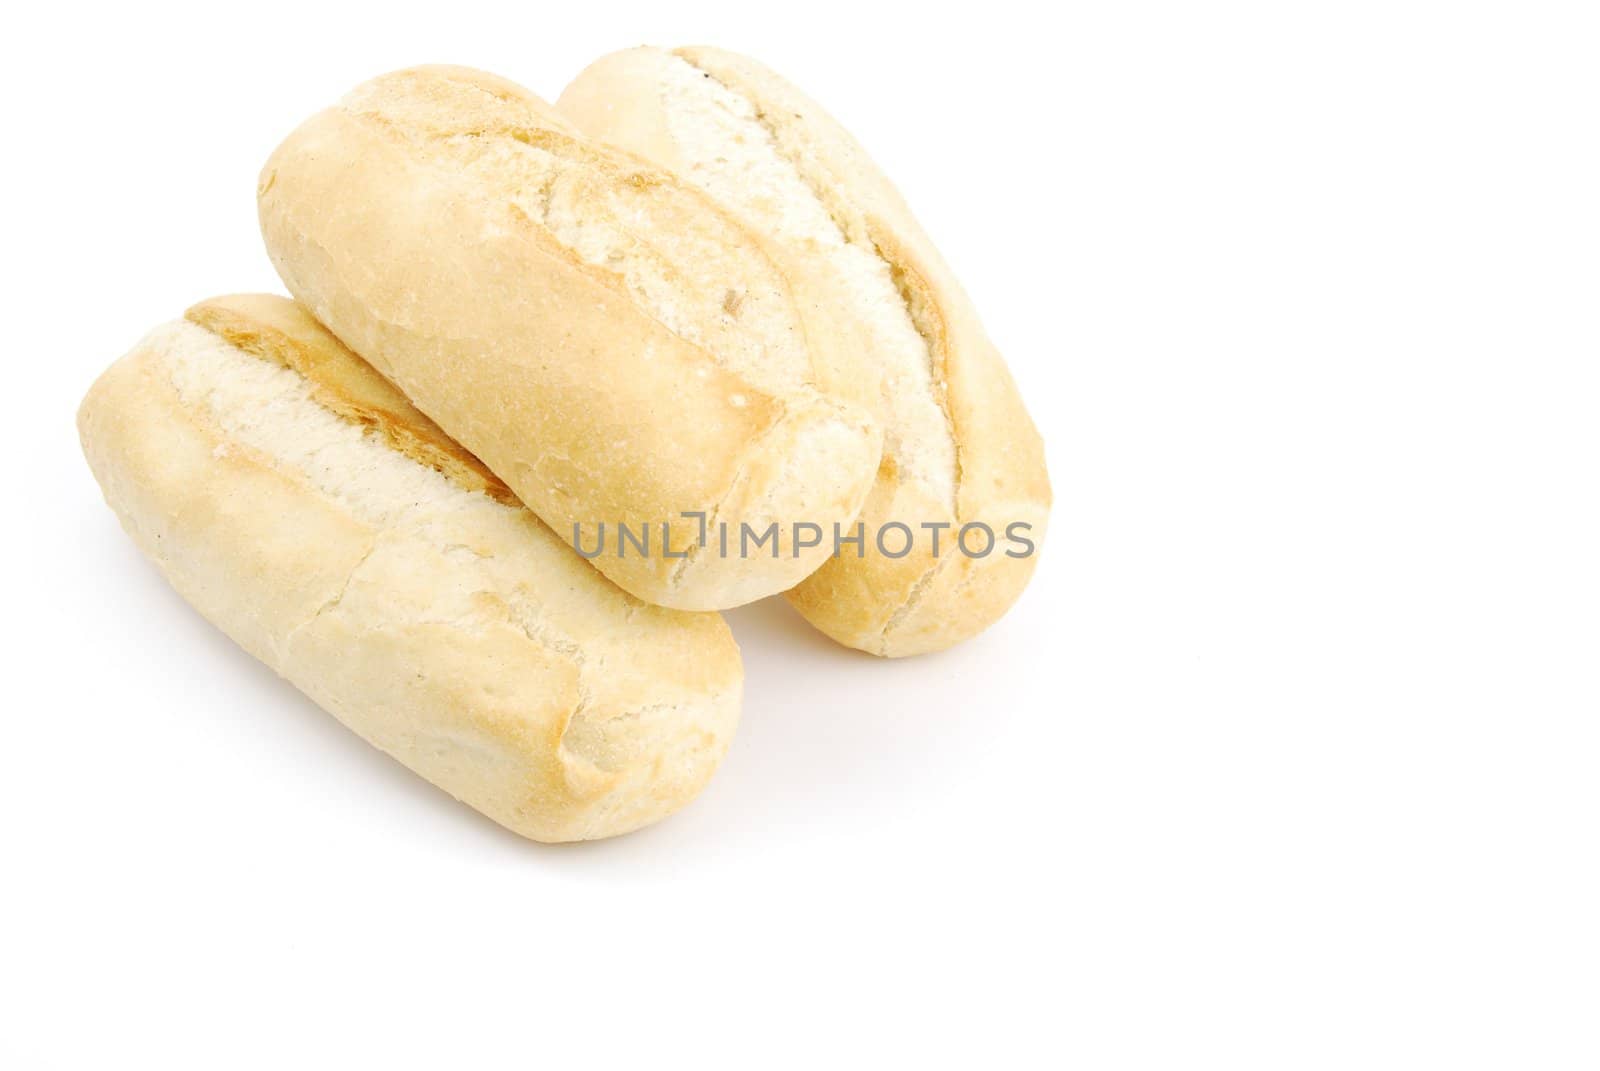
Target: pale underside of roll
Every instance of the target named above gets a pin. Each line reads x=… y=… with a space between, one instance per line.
x=960 y=448
x=606 y=338
x=300 y=503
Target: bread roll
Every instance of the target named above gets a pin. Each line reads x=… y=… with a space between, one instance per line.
x=960 y=449
x=609 y=341
x=302 y=505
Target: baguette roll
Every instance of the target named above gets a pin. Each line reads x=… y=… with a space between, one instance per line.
x=959 y=449
x=300 y=503
x=614 y=345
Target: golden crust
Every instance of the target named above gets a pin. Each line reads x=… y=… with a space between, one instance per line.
x=886 y=606
x=607 y=340
x=454 y=632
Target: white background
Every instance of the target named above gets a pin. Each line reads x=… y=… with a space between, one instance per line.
x=1289 y=758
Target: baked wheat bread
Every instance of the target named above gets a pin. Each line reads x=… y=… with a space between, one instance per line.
x=610 y=342
x=959 y=446
x=299 y=502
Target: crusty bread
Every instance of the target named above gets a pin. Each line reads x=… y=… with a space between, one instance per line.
x=959 y=446
x=608 y=340
x=299 y=502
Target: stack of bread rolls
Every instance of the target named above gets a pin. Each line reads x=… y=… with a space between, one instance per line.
x=481 y=487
